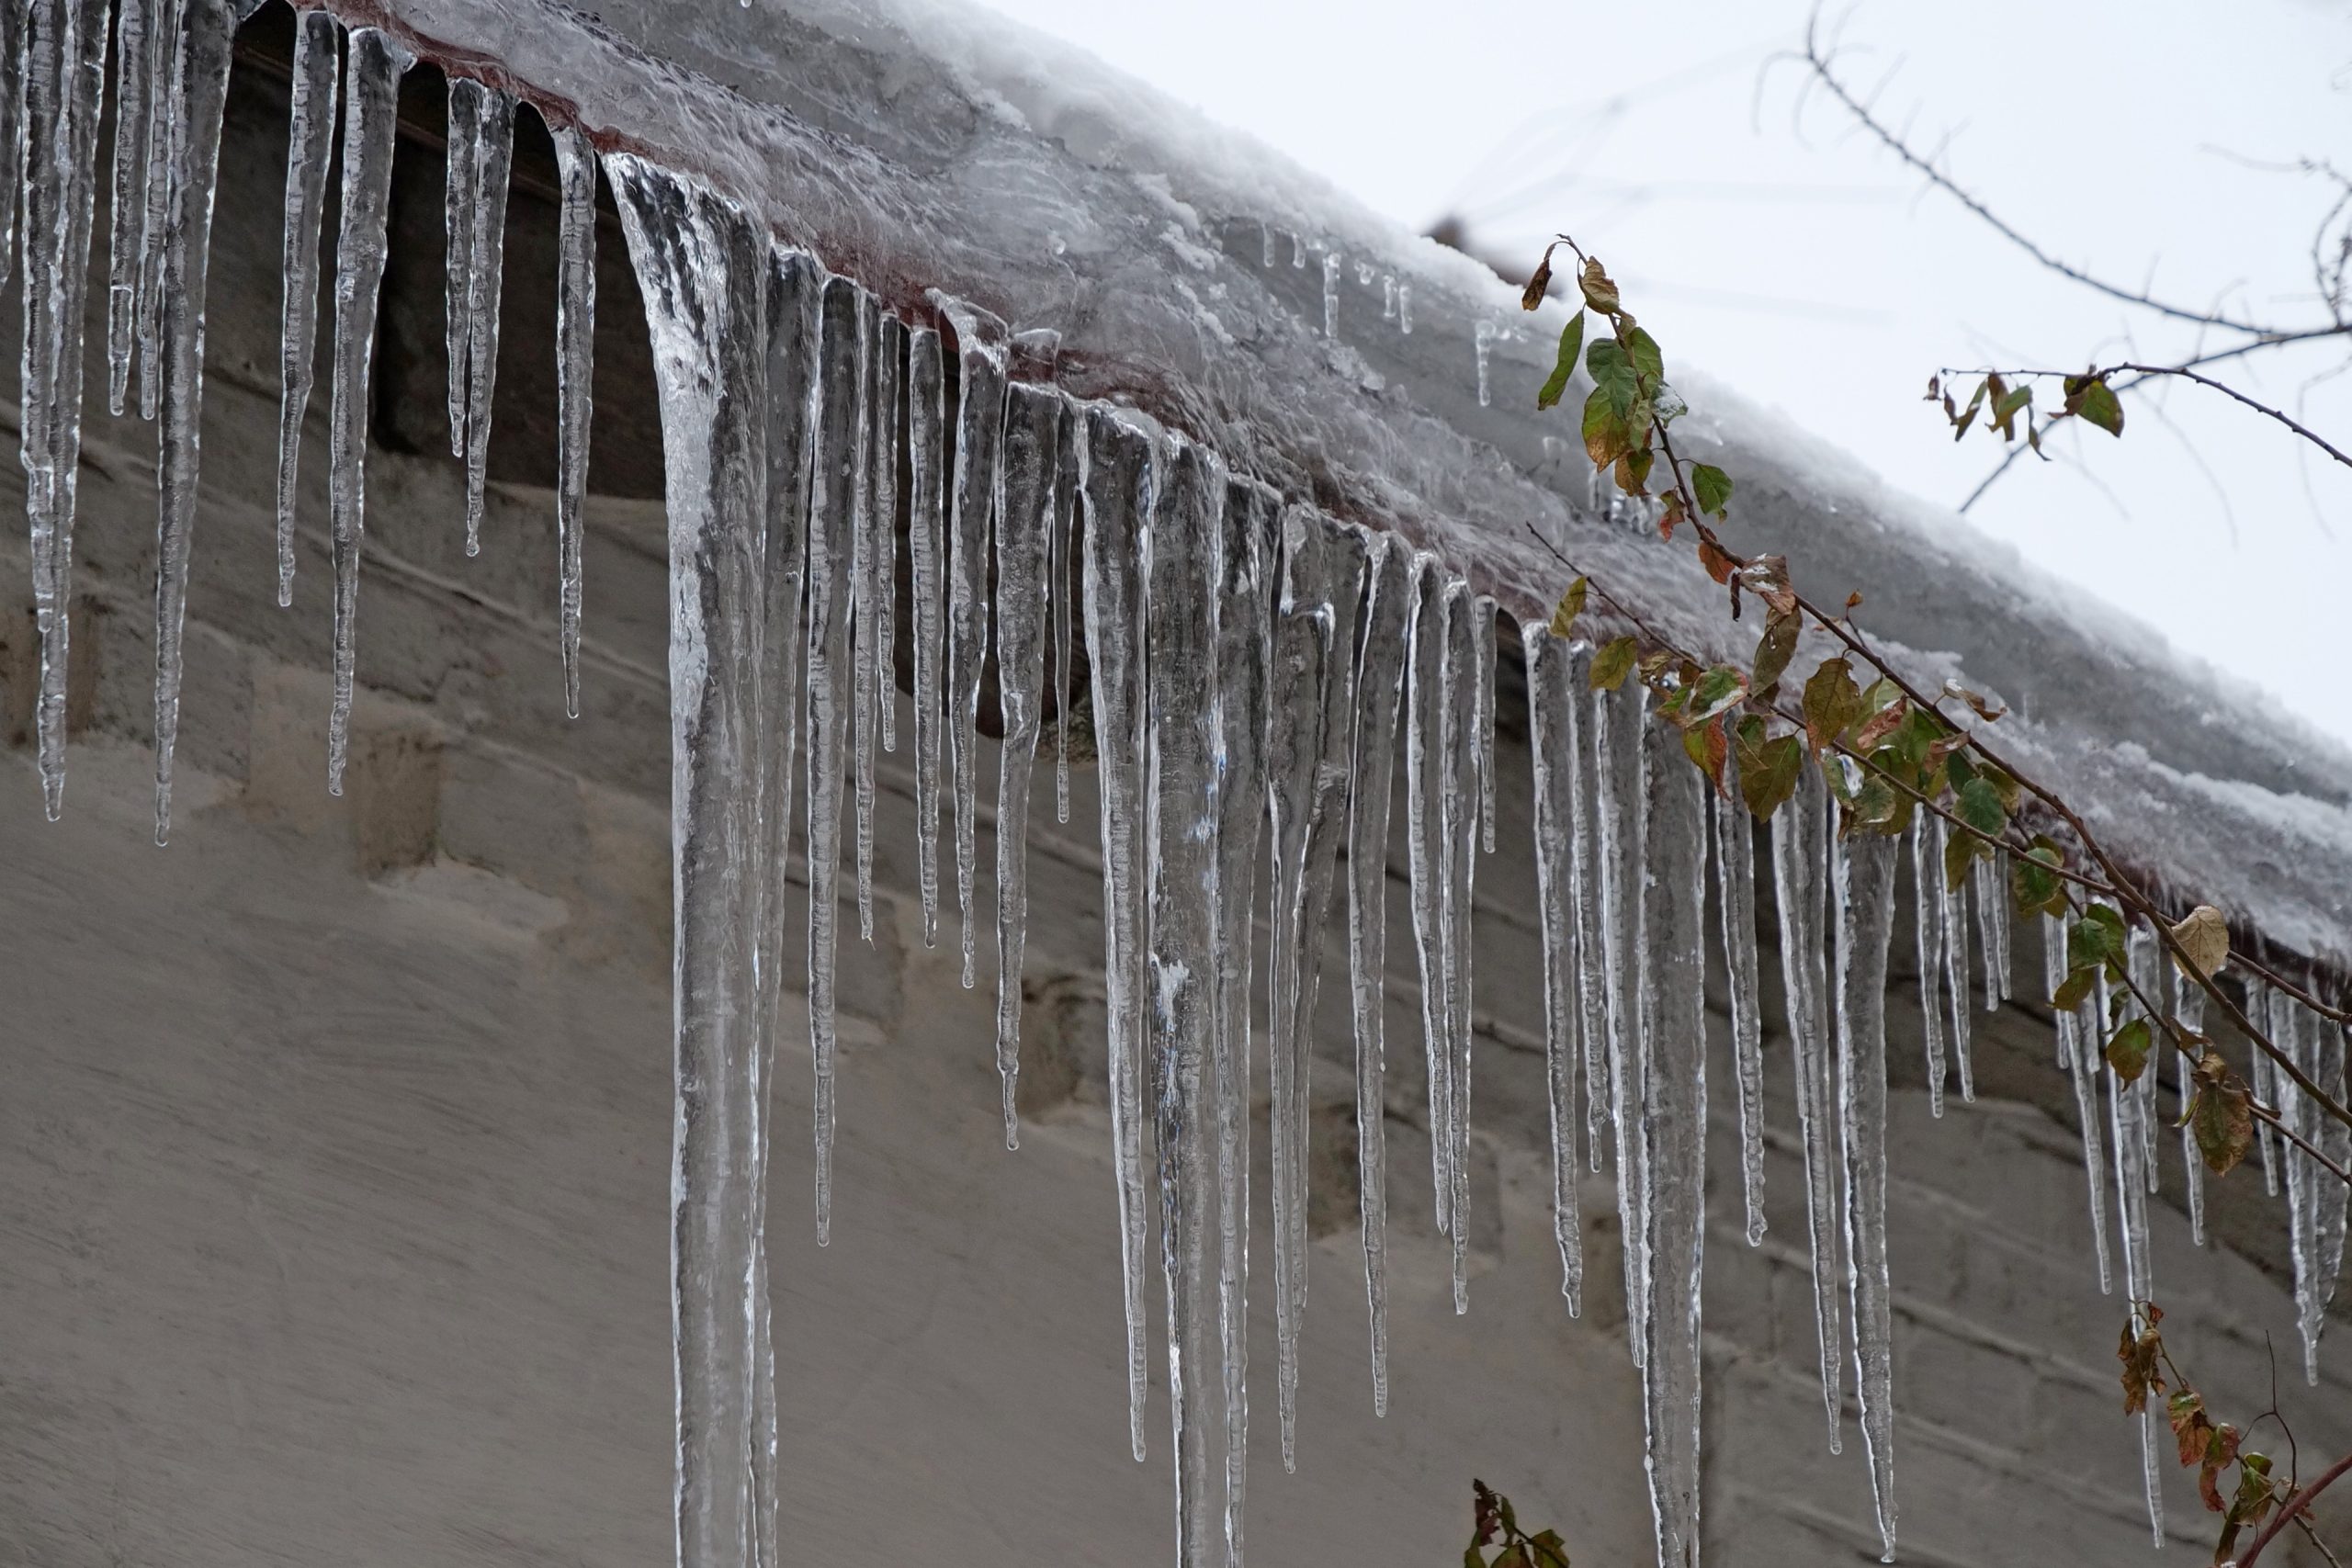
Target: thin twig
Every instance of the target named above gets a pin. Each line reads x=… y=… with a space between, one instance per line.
x=2291 y=1507
x=2145 y=371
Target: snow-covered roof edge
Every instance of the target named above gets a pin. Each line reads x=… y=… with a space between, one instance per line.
x=913 y=144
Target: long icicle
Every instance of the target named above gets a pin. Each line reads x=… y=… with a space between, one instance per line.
x=1734 y=842
x=1422 y=704
x=1863 y=903
x=1245 y=633
x=2078 y=1055
x=484 y=278
x=1466 y=671
x=979 y=422
x=703 y=269
x=373 y=65
x=1482 y=632
x=163 y=111
x=202 y=60
x=1182 y=602
x=1552 y=727
x=1955 y=986
x=1118 y=484
x=1673 y=1028
x=1592 y=979
x=927 y=559
x=575 y=355
x=1033 y=424
x=1927 y=929
x=2126 y=1111
x=1312 y=712
x=12 y=146
x=2326 y=1043
x=63 y=64
x=837 y=500
x=1061 y=593
x=309 y=144
x=795 y=288
x=1380 y=690
x=1800 y=851
x=2188 y=1011
x=137 y=63
x=461 y=175
x=873 y=586
x=1619 y=717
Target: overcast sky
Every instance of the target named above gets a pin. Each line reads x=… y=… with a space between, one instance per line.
x=1763 y=239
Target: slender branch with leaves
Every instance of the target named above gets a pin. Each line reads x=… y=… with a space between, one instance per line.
x=1888 y=751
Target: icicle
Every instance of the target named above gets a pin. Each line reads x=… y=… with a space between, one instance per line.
x=2126 y=1112
x=1405 y=309
x=137 y=64
x=373 y=65
x=1592 y=981
x=63 y=59
x=1266 y=241
x=979 y=422
x=575 y=337
x=202 y=62
x=2147 y=976
x=1063 y=527
x=1311 y=709
x=1864 y=907
x=870 y=642
x=1299 y=252
x=1619 y=717
x=162 y=117
x=1551 y=723
x=1364 y=274
x=2324 y=1046
x=836 y=511
x=1735 y=914
x=12 y=150
x=1118 y=484
x=1484 y=336
x=495 y=154
x=1955 y=987
x=889 y=457
x=795 y=290
x=1380 y=676
x=1992 y=928
x=1672 y=1024
x=309 y=144
x=1458 y=767
x=2188 y=1012
x=2262 y=1081
x=1800 y=849
x=1330 y=294
x=1245 y=632
x=2078 y=1055
x=1031 y=463
x=703 y=269
x=1425 y=843
x=1182 y=719
x=926 y=424
x=1482 y=627
x=1388 y=298
x=460 y=204
x=1927 y=921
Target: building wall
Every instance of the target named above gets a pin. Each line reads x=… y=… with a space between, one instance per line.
x=335 y=1138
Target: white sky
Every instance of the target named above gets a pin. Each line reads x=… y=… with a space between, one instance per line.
x=1791 y=256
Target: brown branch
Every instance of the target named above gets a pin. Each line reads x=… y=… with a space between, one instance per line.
x=2293 y=1506
x=2286 y=987
x=1818 y=62
x=2143 y=372
x=2265 y=1113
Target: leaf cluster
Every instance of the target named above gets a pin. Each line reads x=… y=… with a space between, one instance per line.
x=2211 y=1448
x=1493 y=1524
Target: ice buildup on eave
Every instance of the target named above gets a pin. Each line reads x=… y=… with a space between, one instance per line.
x=1277 y=460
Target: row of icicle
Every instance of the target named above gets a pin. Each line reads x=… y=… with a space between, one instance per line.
x=1254 y=668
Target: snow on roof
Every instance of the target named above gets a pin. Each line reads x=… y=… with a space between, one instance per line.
x=1215 y=285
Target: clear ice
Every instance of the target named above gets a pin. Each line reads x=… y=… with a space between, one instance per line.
x=1552 y=702
x=1735 y=840
x=1863 y=902
x=310 y=144
x=1800 y=853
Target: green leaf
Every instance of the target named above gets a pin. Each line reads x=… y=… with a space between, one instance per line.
x=1959 y=849
x=1717 y=690
x=1712 y=487
x=2035 y=887
x=1832 y=702
x=2094 y=399
x=1606 y=436
x=1634 y=468
x=1767 y=773
x=2097 y=940
x=2221 y=1114
x=2126 y=1050
x=1471 y=1557
x=1979 y=806
x=1612 y=665
x=1642 y=351
x=1571 y=345
x=1571 y=605
x=1777 y=645
x=2075 y=987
